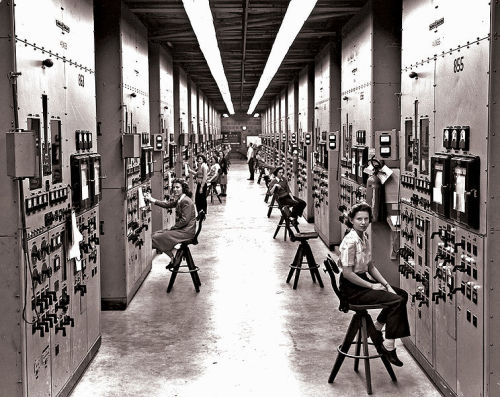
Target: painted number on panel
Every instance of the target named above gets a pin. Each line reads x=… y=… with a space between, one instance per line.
x=458 y=64
x=81 y=80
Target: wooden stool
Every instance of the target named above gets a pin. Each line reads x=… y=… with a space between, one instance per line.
x=285 y=223
x=185 y=254
x=212 y=187
x=303 y=250
x=273 y=204
x=362 y=326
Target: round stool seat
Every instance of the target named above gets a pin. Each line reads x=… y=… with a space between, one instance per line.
x=304 y=236
x=193 y=241
x=358 y=308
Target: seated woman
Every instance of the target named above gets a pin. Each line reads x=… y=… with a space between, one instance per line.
x=280 y=186
x=360 y=289
x=184 y=228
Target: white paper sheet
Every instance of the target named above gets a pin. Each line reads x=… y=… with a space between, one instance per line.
x=142 y=202
x=459 y=194
x=85 y=187
x=384 y=174
x=76 y=237
x=437 y=196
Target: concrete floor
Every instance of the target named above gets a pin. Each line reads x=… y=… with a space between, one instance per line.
x=247 y=333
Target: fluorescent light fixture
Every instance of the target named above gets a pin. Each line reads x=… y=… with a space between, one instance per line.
x=200 y=16
x=297 y=13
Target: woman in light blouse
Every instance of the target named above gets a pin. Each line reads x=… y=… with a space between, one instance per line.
x=362 y=284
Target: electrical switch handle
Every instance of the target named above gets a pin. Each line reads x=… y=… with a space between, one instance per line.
x=69 y=321
x=455 y=290
x=38 y=327
x=61 y=328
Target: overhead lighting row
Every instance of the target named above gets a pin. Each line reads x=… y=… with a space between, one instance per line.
x=200 y=17
x=297 y=13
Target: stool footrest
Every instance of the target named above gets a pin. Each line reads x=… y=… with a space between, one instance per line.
x=356 y=356
x=196 y=268
x=304 y=268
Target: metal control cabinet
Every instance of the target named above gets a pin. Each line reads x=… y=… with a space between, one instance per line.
x=122 y=82
x=325 y=160
x=292 y=146
x=448 y=191
x=181 y=136
x=305 y=130
x=370 y=90
x=161 y=112
x=50 y=279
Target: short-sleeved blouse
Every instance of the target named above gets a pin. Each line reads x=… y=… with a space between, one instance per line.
x=355 y=251
x=202 y=170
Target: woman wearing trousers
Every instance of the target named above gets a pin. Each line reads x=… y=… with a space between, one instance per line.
x=362 y=284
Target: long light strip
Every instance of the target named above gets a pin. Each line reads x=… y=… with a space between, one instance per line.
x=297 y=13
x=200 y=16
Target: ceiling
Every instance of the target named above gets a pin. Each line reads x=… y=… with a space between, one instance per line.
x=245 y=32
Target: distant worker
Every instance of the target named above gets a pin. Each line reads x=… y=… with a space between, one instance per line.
x=223 y=162
x=200 y=174
x=213 y=173
x=251 y=160
x=362 y=284
x=292 y=205
x=185 y=220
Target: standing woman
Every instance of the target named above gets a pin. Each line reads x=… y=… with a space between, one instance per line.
x=185 y=220
x=213 y=173
x=200 y=174
x=223 y=174
x=362 y=284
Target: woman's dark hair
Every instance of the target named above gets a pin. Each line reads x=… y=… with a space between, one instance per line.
x=185 y=186
x=202 y=157
x=276 y=170
x=362 y=206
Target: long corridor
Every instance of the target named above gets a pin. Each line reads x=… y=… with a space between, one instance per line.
x=247 y=332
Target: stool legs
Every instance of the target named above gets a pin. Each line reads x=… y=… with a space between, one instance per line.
x=364 y=337
x=175 y=270
x=186 y=254
x=346 y=344
x=280 y=225
x=297 y=259
x=271 y=206
x=193 y=272
x=362 y=325
x=312 y=266
x=304 y=250
x=358 y=352
x=286 y=225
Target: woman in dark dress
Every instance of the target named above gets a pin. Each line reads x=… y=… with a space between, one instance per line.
x=185 y=220
x=200 y=174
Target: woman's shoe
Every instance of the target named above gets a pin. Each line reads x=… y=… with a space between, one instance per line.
x=390 y=355
x=170 y=265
